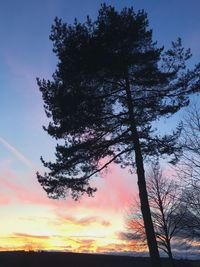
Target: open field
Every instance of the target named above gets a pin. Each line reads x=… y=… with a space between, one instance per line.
x=61 y=259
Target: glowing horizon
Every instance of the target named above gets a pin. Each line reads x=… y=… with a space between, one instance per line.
x=45 y=224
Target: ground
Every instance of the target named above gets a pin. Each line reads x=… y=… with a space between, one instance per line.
x=61 y=259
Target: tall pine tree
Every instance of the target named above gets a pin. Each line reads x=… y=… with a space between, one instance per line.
x=110 y=84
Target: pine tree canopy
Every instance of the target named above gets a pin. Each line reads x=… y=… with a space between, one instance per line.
x=106 y=68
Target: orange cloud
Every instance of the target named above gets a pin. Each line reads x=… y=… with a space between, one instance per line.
x=87 y=246
x=31 y=236
x=106 y=223
x=65 y=224
x=63 y=243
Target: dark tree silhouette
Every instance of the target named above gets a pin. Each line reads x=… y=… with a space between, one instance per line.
x=169 y=214
x=191 y=202
x=189 y=170
x=110 y=84
x=190 y=141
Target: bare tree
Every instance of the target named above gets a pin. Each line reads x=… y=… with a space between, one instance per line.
x=191 y=222
x=190 y=142
x=189 y=169
x=168 y=213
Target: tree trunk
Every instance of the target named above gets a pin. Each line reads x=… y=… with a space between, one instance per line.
x=146 y=213
x=168 y=242
x=170 y=254
x=145 y=208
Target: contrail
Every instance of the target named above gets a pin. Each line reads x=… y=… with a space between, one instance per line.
x=18 y=155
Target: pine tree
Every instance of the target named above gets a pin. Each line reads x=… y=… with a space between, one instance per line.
x=110 y=84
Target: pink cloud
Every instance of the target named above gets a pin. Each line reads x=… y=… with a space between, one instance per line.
x=62 y=218
x=115 y=189
x=114 y=192
x=4 y=200
x=94 y=219
x=22 y=193
x=113 y=195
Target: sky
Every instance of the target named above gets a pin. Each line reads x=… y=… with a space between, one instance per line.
x=29 y=220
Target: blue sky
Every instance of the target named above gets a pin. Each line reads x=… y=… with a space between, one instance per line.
x=26 y=53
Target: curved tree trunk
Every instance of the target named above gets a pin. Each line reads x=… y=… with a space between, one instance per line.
x=146 y=213
x=145 y=208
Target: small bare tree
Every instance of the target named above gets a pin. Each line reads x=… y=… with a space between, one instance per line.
x=189 y=166
x=167 y=211
x=189 y=169
x=191 y=222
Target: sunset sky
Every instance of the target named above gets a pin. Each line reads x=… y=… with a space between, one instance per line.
x=29 y=220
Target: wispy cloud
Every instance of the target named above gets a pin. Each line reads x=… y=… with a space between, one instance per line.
x=85 y=221
x=31 y=236
x=17 y=154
